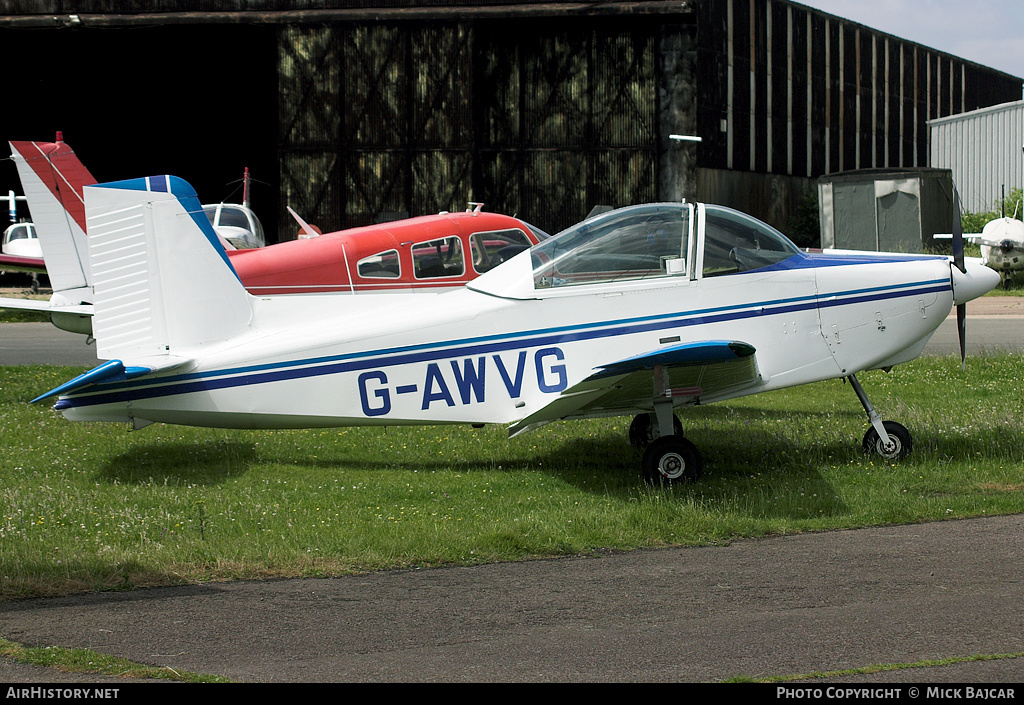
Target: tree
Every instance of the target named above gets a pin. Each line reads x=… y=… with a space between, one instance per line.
x=1009 y=206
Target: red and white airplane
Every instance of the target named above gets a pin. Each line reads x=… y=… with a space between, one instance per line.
x=430 y=252
x=426 y=253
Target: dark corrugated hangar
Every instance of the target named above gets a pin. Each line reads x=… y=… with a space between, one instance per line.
x=353 y=112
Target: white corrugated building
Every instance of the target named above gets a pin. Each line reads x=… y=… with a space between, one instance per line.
x=985 y=151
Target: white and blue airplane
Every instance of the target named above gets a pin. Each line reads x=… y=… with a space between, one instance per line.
x=639 y=311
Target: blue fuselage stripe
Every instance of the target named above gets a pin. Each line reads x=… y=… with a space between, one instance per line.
x=378 y=359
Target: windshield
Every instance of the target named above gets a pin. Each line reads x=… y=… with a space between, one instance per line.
x=637 y=242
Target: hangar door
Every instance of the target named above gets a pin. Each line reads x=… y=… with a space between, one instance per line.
x=536 y=119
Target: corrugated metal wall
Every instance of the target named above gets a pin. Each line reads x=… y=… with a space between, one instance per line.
x=547 y=117
x=794 y=91
x=983 y=149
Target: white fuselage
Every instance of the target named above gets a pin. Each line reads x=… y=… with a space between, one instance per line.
x=500 y=350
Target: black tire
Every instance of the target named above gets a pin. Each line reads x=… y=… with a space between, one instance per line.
x=902 y=443
x=671 y=460
x=643 y=430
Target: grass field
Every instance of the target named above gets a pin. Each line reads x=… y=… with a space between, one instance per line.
x=87 y=507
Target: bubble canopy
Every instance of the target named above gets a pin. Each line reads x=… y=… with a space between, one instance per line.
x=656 y=240
x=628 y=247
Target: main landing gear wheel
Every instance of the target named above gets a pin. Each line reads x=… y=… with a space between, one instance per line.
x=643 y=430
x=671 y=460
x=899 y=446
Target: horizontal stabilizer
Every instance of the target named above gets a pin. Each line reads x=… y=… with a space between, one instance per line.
x=111 y=371
x=44 y=306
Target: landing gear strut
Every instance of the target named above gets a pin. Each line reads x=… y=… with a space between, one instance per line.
x=888 y=439
x=644 y=430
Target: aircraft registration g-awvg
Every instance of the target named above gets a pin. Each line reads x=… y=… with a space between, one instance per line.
x=638 y=311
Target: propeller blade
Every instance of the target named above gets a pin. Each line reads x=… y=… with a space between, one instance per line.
x=958 y=262
x=961 y=327
x=958 y=234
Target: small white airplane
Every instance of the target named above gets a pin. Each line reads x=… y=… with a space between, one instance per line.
x=20 y=250
x=1002 y=246
x=236 y=223
x=639 y=311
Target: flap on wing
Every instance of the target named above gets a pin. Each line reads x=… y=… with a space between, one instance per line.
x=114 y=371
x=686 y=373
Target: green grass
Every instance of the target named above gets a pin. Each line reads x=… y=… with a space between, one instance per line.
x=89 y=661
x=10 y=315
x=877 y=668
x=86 y=507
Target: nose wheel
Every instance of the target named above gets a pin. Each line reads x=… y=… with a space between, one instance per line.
x=898 y=446
x=887 y=439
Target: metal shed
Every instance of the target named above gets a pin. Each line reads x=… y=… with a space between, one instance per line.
x=885 y=211
x=983 y=149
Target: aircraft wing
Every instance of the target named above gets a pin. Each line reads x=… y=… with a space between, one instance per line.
x=19 y=263
x=688 y=372
x=968 y=237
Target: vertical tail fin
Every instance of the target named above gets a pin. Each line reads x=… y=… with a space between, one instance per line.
x=53 y=179
x=163 y=284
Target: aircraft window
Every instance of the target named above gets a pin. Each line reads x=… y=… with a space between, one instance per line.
x=383 y=265
x=490 y=249
x=259 y=239
x=438 y=258
x=19 y=232
x=637 y=242
x=538 y=234
x=211 y=213
x=233 y=217
x=735 y=242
